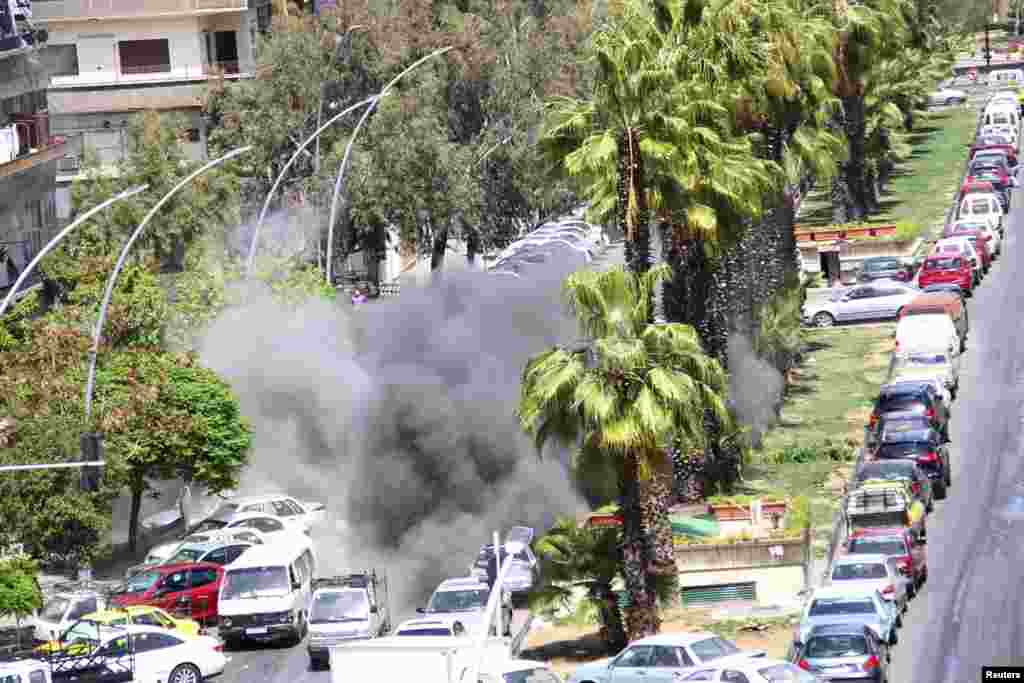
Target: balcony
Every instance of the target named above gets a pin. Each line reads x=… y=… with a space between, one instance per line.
x=143 y=75
x=30 y=145
x=84 y=10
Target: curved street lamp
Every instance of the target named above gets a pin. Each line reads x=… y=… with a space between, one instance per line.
x=348 y=150
x=284 y=171
x=60 y=236
x=93 y=350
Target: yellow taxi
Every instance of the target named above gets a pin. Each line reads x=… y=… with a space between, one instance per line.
x=80 y=637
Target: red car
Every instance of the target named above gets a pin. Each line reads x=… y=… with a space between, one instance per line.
x=947 y=269
x=980 y=241
x=971 y=186
x=187 y=589
x=897 y=542
x=1008 y=150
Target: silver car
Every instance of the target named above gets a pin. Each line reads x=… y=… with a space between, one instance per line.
x=871 y=301
x=848 y=605
x=873 y=572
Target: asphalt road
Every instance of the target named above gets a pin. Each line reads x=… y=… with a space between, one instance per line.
x=970 y=613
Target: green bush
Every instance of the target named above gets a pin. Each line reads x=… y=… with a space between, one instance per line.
x=802 y=454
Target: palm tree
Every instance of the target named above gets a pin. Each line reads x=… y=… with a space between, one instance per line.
x=574 y=556
x=626 y=390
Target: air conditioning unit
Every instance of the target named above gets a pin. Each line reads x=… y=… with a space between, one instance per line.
x=69 y=164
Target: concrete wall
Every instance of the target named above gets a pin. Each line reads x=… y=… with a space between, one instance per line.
x=27 y=215
x=774 y=585
x=97 y=41
x=729 y=555
x=855 y=254
x=21 y=74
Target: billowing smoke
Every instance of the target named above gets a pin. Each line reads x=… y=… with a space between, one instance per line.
x=399 y=416
x=755 y=387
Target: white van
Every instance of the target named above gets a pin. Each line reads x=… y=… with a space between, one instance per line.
x=929 y=332
x=265 y=593
x=1006 y=77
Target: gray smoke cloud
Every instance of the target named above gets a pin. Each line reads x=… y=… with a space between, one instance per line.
x=755 y=387
x=399 y=416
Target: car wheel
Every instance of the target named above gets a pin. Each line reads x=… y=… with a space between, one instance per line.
x=185 y=673
x=823 y=319
x=940 y=491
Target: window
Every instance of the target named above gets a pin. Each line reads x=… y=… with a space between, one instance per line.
x=60 y=60
x=263 y=18
x=878 y=546
x=115 y=648
x=841 y=606
x=734 y=676
x=259 y=581
x=234 y=552
x=837 y=646
x=265 y=524
x=664 y=657
x=531 y=676
x=863 y=293
x=218 y=556
x=294 y=507
x=203 y=577
x=163 y=620
x=178 y=581
x=634 y=657
x=148 y=642
x=282 y=510
x=255 y=507
x=684 y=656
x=146 y=619
x=708 y=649
x=310 y=561
x=144 y=56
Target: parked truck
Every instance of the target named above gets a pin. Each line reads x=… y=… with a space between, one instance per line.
x=351 y=606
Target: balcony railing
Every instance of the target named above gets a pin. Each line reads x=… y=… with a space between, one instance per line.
x=64 y=10
x=151 y=73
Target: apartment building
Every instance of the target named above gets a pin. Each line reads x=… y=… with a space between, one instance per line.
x=110 y=59
x=29 y=151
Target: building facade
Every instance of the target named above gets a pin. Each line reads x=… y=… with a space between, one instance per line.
x=29 y=151
x=110 y=59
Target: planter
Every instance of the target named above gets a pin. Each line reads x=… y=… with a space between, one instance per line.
x=730 y=512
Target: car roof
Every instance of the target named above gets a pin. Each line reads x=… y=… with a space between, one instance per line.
x=880 y=531
x=675 y=639
x=178 y=566
x=278 y=553
x=257 y=498
x=239 y=516
x=861 y=559
x=424 y=623
x=462 y=583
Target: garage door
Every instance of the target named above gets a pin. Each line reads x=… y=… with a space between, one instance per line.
x=727 y=592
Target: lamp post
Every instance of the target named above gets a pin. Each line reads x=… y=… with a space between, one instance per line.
x=111 y=281
x=30 y=268
x=348 y=151
x=273 y=189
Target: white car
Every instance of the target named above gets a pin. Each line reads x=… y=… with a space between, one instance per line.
x=986 y=226
x=270 y=527
x=463 y=601
x=159 y=554
x=756 y=671
x=291 y=511
x=665 y=657
x=1007 y=131
x=148 y=653
x=928 y=332
x=429 y=627
x=869 y=301
x=872 y=572
x=948 y=96
x=978 y=204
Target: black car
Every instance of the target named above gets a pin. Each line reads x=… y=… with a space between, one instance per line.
x=926 y=448
x=833 y=650
x=912 y=398
x=884 y=268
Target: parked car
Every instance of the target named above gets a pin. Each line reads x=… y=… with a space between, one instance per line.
x=957 y=246
x=948 y=269
x=995 y=171
x=947 y=96
x=920 y=366
x=139 y=615
x=64 y=609
x=755 y=671
x=952 y=304
x=159 y=554
x=840 y=652
x=464 y=600
x=895 y=542
x=1007 y=131
x=884 y=268
x=872 y=572
x=295 y=514
x=947 y=288
x=270 y=527
x=830 y=605
x=186 y=589
x=979 y=205
x=217 y=552
x=927 y=332
x=897 y=470
x=876 y=300
x=975 y=229
x=993 y=145
x=925 y=447
x=909 y=398
x=664 y=656
x=525 y=570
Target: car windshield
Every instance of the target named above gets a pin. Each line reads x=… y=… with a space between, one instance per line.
x=910 y=436
x=840 y=606
x=82 y=630
x=336 y=606
x=890 y=471
x=425 y=632
x=782 y=673
x=54 y=609
x=859 y=572
x=141 y=582
x=979 y=207
x=902 y=450
x=822 y=647
x=255 y=582
x=950 y=263
x=881 y=264
x=458 y=601
x=888 y=545
x=186 y=555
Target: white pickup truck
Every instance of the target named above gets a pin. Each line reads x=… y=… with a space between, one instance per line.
x=433 y=659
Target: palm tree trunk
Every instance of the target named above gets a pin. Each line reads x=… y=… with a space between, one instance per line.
x=656 y=500
x=854 y=127
x=661 y=237
x=642 y=612
x=611 y=617
x=634 y=215
x=873 y=199
x=840 y=196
